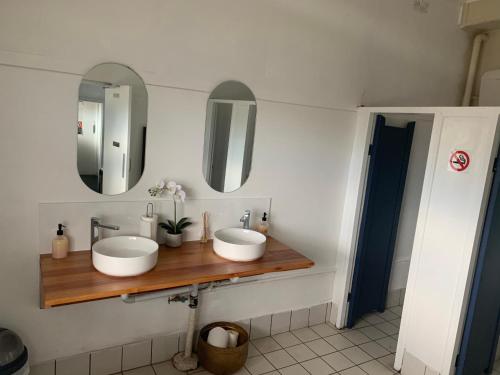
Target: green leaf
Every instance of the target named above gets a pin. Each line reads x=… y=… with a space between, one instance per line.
x=166 y=226
x=181 y=221
x=184 y=225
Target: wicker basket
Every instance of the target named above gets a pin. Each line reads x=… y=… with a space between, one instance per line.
x=223 y=361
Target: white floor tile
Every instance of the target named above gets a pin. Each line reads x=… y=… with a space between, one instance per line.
x=388 y=361
x=373 y=319
x=320 y=347
x=396 y=322
x=148 y=370
x=166 y=368
x=286 y=339
x=353 y=371
x=398 y=310
x=388 y=343
x=339 y=342
x=293 y=370
x=244 y=371
x=275 y=372
x=324 y=330
x=356 y=355
x=374 y=349
x=252 y=350
x=388 y=315
x=280 y=359
x=317 y=366
x=360 y=324
x=258 y=365
x=356 y=337
x=266 y=345
x=372 y=332
x=387 y=328
x=338 y=361
x=300 y=352
x=306 y=334
x=375 y=368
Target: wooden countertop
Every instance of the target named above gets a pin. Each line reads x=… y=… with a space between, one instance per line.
x=74 y=279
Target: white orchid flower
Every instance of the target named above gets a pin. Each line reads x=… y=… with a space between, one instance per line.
x=180 y=195
x=161 y=184
x=171 y=187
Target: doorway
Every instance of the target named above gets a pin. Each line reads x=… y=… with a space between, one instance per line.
x=394 y=178
x=90 y=119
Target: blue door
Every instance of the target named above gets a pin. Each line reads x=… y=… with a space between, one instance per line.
x=481 y=330
x=389 y=156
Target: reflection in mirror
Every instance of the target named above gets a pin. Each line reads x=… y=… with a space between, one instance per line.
x=112 y=119
x=229 y=136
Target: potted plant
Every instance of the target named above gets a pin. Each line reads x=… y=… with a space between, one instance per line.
x=173 y=228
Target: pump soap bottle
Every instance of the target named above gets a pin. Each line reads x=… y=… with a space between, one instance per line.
x=263 y=226
x=60 y=244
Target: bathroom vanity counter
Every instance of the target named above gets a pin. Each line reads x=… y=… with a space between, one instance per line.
x=74 y=279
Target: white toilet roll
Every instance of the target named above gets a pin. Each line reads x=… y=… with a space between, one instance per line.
x=233 y=339
x=148 y=226
x=218 y=337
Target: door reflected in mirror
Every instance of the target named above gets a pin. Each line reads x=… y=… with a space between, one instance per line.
x=111 y=128
x=229 y=136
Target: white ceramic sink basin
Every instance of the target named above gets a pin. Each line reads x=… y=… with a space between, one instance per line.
x=124 y=255
x=239 y=245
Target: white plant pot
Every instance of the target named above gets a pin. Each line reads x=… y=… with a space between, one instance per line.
x=173 y=240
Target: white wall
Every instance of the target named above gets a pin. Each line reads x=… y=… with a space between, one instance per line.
x=301 y=59
x=411 y=196
x=489 y=61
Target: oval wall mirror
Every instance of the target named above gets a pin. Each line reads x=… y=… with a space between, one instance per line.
x=229 y=136
x=111 y=128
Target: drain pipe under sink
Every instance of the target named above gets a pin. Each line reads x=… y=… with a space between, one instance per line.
x=474 y=60
x=133 y=298
x=187 y=360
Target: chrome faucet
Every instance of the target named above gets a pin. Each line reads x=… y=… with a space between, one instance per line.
x=95 y=224
x=245 y=219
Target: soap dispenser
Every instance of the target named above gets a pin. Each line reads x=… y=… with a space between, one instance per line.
x=263 y=226
x=60 y=244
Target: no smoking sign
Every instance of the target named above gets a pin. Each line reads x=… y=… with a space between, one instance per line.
x=459 y=161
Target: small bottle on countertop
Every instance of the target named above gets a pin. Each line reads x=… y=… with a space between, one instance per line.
x=263 y=226
x=60 y=244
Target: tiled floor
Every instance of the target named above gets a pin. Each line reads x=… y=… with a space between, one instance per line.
x=496 y=368
x=368 y=348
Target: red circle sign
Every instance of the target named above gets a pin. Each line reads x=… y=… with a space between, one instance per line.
x=459 y=161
